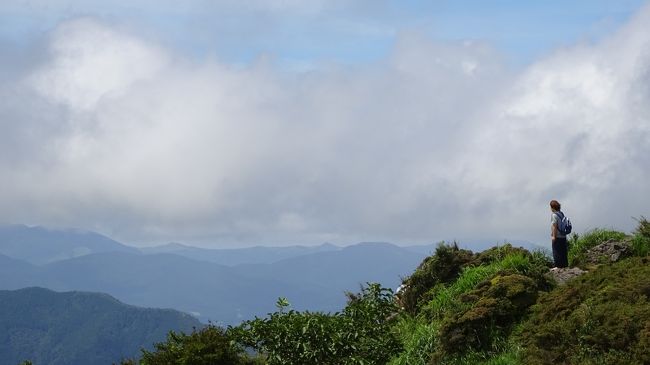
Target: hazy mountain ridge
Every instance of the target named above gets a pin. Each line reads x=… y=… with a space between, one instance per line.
x=209 y=291
x=344 y=269
x=237 y=256
x=39 y=245
x=311 y=277
x=79 y=327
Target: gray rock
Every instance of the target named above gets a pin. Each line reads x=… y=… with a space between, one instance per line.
x=610 y=251
x=562 y=275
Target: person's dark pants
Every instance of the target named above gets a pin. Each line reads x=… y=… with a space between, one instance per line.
x=560 y=252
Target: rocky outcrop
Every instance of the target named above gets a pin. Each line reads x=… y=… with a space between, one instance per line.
x=562 y=275
x=610 y=251
x=606 y=252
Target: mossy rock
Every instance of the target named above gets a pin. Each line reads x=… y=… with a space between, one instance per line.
x=602 y=317
x=490 y=312
x=497 y=253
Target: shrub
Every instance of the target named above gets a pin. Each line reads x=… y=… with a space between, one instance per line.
x=360 y=334
x=602 y=317
x=207 y=346
x=443 y=267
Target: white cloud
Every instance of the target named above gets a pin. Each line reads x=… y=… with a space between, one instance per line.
x=90 y=61
x=438 y=141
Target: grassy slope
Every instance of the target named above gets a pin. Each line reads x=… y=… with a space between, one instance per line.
x=468 y=309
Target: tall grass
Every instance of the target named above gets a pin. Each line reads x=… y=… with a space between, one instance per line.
x=641 y=239
x=418 y=338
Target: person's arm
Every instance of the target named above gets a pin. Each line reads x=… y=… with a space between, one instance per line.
x=554 y=227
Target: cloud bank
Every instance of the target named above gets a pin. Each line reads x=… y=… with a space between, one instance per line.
x=107 y=130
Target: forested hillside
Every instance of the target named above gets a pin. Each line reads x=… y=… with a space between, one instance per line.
x=74 y=328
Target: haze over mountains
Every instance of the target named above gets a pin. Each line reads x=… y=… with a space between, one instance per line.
x=39 y=245
x=223 y=286
x=219 y=285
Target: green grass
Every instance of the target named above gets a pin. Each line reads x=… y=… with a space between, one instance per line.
x=640 y=245
x=470 y=277
x=446 y=297
x=641 y=239
x=418 y=338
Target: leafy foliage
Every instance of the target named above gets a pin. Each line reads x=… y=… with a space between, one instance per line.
x=208 y=346
x=360 y=334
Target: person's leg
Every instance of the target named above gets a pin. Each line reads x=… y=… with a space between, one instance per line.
x=557 y=257
x=564 y=252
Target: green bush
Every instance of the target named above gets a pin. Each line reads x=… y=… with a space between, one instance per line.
x=360 y=334
x=579 y=245
x=208 y=346
x=443 y=267
x=602 y=317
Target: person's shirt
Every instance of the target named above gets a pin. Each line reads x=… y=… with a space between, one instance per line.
x=555 y=220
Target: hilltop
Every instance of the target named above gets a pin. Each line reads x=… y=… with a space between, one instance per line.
x=502 y=306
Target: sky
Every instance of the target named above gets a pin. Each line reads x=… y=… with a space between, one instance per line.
x=237 y=123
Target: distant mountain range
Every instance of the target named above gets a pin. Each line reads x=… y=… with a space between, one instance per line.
x=221 y=285
x=237 y=256
x=74 y=328
x=38 y=245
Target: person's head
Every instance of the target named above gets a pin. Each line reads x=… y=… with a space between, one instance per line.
x=555 y=205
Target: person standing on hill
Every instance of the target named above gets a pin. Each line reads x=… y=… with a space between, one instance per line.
x=558 y=239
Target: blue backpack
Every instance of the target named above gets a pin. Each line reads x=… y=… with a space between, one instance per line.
x=563 y=224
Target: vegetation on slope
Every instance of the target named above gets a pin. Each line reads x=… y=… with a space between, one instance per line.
x=47 y=327
x=599 y=318
x=498 y=307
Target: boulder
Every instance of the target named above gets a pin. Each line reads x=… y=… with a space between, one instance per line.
x=562 y=275
x=610 y=251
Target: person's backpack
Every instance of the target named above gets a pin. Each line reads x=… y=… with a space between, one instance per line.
x=563 y=224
